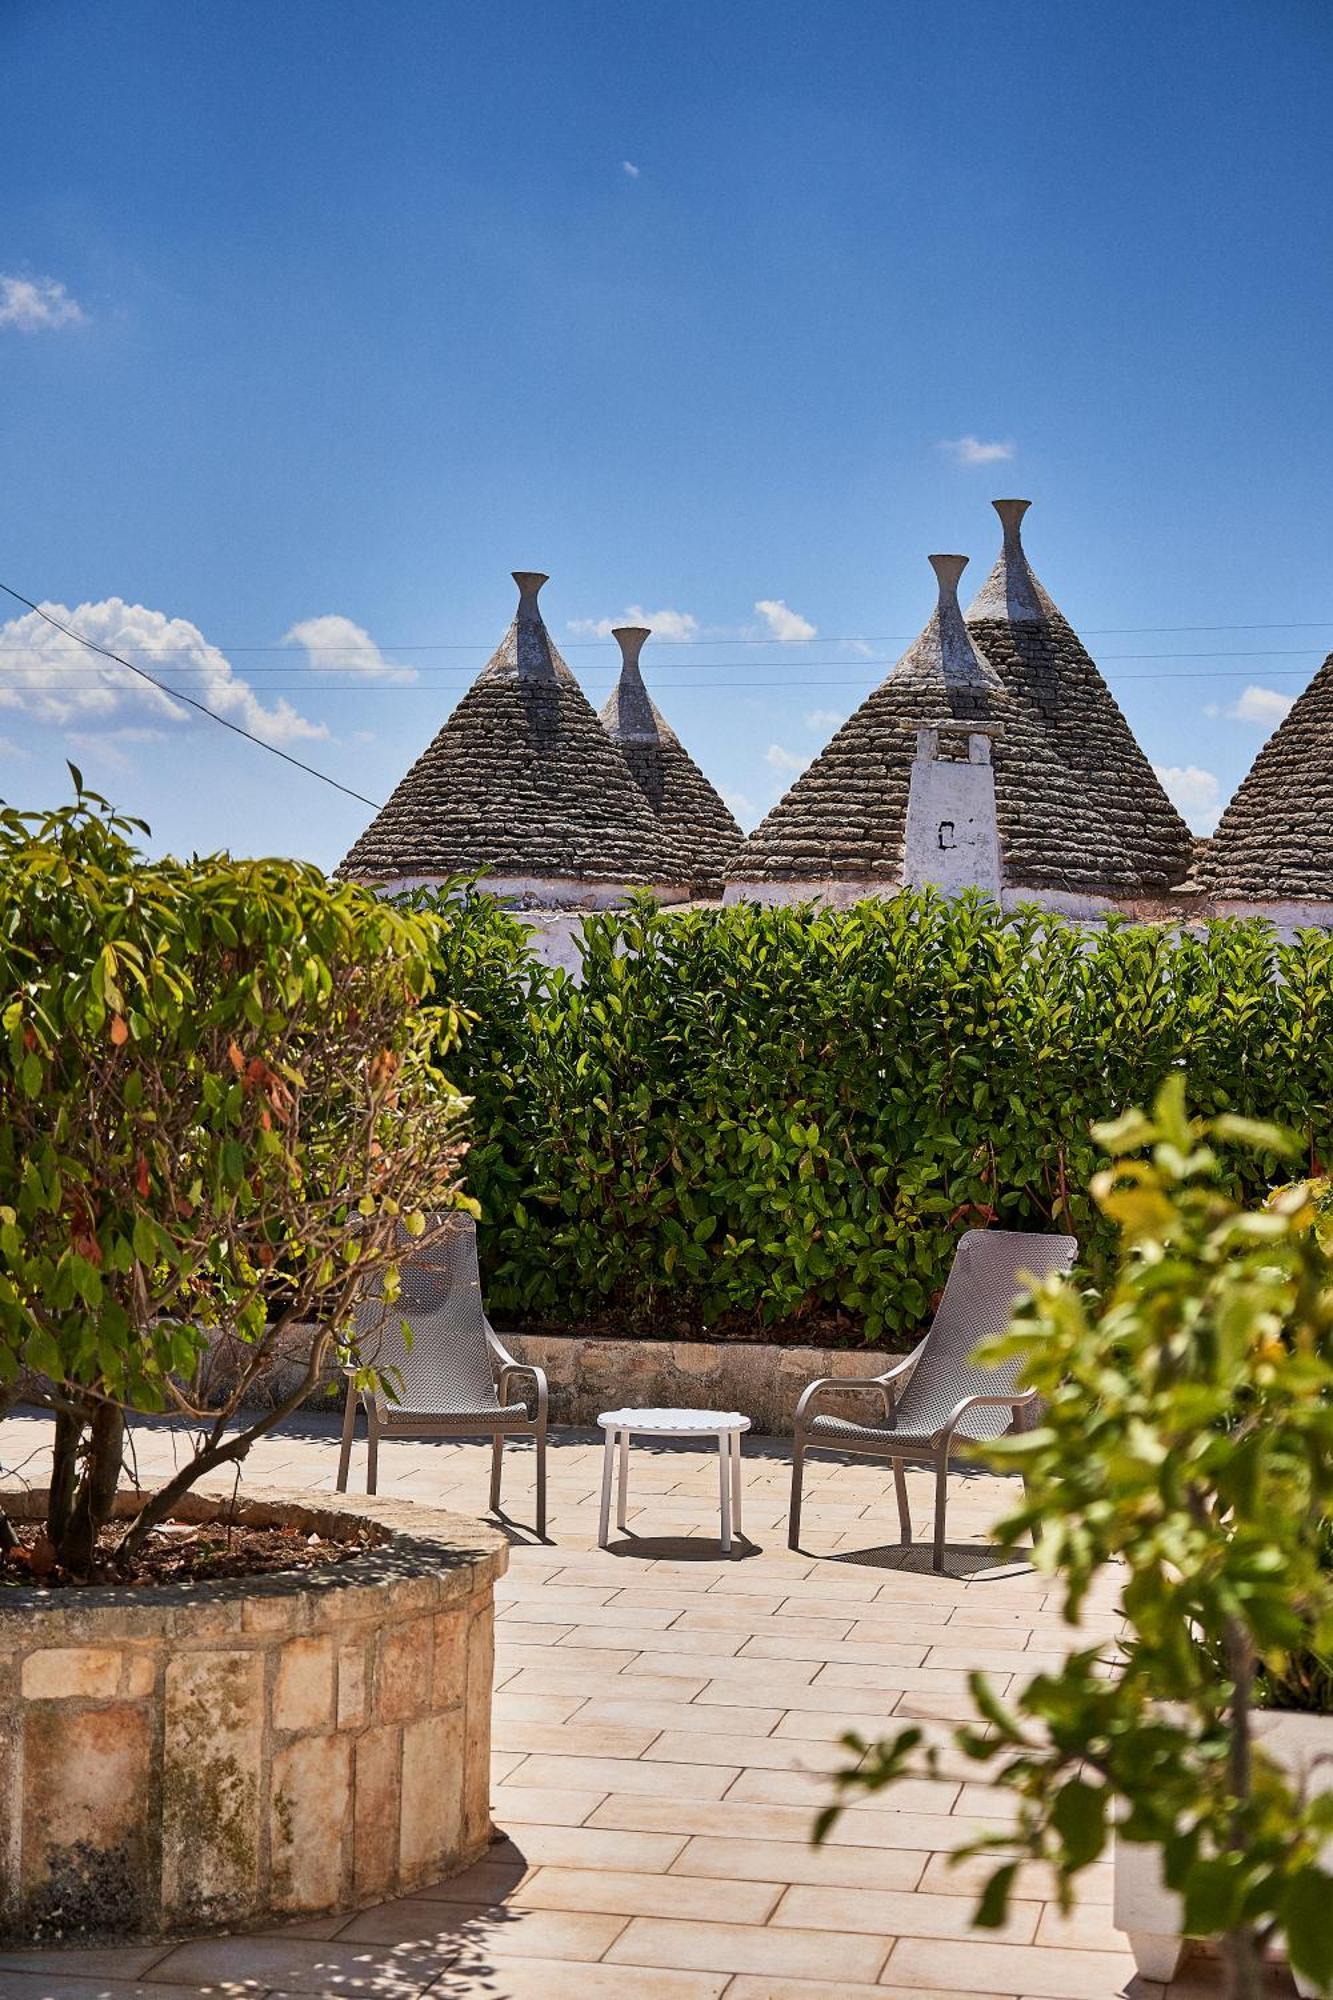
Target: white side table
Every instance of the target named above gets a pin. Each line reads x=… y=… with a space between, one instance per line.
x=725 y=1425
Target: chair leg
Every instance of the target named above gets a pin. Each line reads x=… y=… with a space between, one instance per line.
x=541 y=1483
x=797 y=1479
x=372 y=1449
x=497 y=1465
x=904 y=1508
x=941 y=1503
x=349 y=1431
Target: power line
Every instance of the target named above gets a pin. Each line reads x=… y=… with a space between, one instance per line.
x=174 y=694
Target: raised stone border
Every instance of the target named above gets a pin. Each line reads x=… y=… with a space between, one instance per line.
x=189 y=1756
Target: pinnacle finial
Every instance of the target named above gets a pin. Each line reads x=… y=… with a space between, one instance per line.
x=1011 y=514
x=529 y=582
x=630 y=639
x=947 y=570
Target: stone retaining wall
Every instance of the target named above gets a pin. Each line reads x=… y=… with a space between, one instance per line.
x=187 y=1756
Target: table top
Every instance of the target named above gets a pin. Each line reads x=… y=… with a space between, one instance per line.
x=675 y=1423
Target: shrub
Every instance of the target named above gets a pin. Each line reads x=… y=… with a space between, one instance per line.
x=745 y=1116
x=1187 y=1434
x=220 y=1109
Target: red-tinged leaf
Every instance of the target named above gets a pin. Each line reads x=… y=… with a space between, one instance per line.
x=141 y=1180
x=235 y=1058
x=120 y=1032
x=42 y=1556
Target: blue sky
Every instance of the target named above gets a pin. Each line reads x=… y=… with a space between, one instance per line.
x=331 y=312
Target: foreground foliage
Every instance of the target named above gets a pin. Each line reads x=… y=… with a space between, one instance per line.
x=1188 y=1434
x=747 y=1116
x=219 y=1111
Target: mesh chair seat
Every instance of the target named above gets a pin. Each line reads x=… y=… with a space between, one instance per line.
x=498 y=1415
x=973 y=1425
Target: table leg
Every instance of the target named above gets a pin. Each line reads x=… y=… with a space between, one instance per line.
x=623 y=1489
x=736 y=1485
x=724 y=1487
x=604 y=1524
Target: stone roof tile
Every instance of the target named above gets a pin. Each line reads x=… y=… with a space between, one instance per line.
x=1274 y=842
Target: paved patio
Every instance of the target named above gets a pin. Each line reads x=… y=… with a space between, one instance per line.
x=664 y=1719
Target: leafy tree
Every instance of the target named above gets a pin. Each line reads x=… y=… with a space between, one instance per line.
x=1187 y=1434
x=219 y=1110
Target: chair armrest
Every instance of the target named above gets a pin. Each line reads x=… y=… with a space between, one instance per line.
x=1012 y=1399
x=509 y=1367
x=823 y=1383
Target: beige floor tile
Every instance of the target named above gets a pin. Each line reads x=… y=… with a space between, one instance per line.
x=519 y=1932
x=620 y=1891
x=542 y=1804
x=898 y=1913
x=912 y=1795
x=747 y=1987
x=743 y=1948
x=575 y=1739
x=759 y=1753
x=942 y=1965
x=520 y=1706
x=591 y=1661
x=593 y=1847
x=15 y=1985
x=497 y=1977
x=554 y=1677
x=746 y=1859
x=676 y=1715
x=623 y=1613
x=614 y=1774
x=1035 y=1882
x=736 y=1617
x=670 y=1640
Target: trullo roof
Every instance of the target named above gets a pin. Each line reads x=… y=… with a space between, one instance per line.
x=522 y=781
x=1043 y=662
x=1274 y=842
x=844 y=817
x=699 y=834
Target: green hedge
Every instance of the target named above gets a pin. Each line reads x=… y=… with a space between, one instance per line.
x=747 y=1116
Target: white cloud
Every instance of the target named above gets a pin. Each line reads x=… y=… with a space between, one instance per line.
x=110 y=746
x=628 y=167
x=825 y=720
x=1262 y=705
x=663 y=624
x=971 y=450
x=31 y=305
x=786 y=625
x=741 y=804
x=785 y=760
x=337 y=645
x=53 y=678
x=1195 y=793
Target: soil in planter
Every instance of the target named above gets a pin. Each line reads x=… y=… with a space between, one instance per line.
x=181 y=1552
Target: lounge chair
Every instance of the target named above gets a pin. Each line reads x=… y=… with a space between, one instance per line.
x=938 y=1401
x=445 y=1383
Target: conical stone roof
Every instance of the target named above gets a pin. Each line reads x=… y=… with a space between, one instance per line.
x=699 y=834
x=845 y=816
x=1042 y=661
x=522 y=781
x=1274 y=842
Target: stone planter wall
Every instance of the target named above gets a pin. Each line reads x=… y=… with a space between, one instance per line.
x=188 y=1756
x=763 y=1382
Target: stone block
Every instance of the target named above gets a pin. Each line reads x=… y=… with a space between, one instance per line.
x=376 y=1806
x=352 y=1678
x=309 y=1815
x=403 y=1670
x=431 y=1820
x=303 y=1689
x=477 y=1723
x=213 y=1733
x=449 y=1683
x=59 y=1673
x=138 y=1675
x=84 y=1859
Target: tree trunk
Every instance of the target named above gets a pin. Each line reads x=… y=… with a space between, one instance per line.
x=64 y=1474
x=1242 y=1955
x=1243 y=1963
x=96 y=1494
